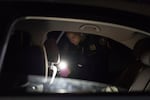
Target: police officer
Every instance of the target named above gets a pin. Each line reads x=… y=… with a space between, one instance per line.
x=87 y=55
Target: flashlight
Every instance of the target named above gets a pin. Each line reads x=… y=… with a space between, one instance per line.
x=64 y=71
x=62 y=65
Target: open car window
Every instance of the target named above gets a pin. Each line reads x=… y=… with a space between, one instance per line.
x=95 y=58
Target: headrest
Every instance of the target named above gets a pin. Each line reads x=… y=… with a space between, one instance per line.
x=145 y=58
x=142 y=51
x=52 y=51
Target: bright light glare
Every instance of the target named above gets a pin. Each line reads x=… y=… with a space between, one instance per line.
x=62 y=65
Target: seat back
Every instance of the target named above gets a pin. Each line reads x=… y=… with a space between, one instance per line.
x=142 y=81
x=136 y=69
x=20 y=62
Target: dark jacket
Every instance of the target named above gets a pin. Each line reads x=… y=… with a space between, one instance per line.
x=88 y=60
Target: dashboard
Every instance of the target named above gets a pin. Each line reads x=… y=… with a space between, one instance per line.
x=40 y=84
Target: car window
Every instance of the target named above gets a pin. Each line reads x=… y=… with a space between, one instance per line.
x=93 y=57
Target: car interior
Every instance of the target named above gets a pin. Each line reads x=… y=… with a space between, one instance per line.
x=34 y=53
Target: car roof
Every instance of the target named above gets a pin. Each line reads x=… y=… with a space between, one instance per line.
x=40 y=26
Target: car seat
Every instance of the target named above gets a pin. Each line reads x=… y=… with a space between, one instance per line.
x=131 y=78
x=22 y=60
x=142 y=80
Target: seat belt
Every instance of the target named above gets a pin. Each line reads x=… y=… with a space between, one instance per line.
x=141 y=81
x=46 y=63
x=50 y=67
